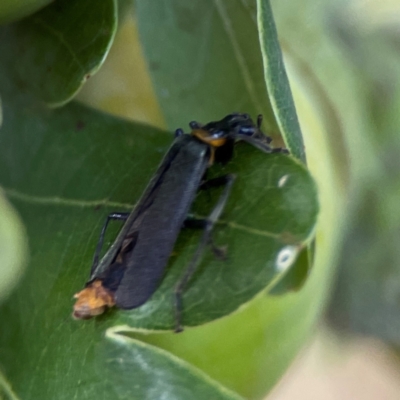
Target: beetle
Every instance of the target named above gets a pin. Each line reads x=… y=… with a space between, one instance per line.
x=132 y=268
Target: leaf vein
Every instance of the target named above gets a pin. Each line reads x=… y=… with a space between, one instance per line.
x=62 y=41
x=55 y=200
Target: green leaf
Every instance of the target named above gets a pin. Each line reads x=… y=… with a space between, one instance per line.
x=277 y=82
x=162 y=373
x=57 y=49
x=204 y=59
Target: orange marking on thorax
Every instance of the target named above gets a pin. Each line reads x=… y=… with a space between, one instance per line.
x=205 y=137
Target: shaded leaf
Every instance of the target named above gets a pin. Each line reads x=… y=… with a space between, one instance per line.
x=57 y=49
x=204 y=59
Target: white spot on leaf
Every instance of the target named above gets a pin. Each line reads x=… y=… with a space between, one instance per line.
x=282 y=181
x=286 y=257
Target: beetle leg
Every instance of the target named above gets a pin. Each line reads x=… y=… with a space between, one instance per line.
x=205 y=239
x=214 y=182
x=119 y=216
x=280 y=150
x=201 y=223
